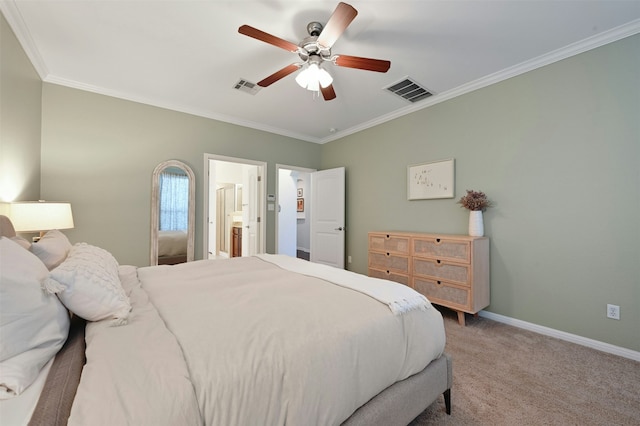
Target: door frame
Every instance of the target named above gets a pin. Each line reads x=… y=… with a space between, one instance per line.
x=285 y=167
x=262 y=211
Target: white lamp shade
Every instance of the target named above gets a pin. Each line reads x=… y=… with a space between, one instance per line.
x=303 y=78
x=324 y=78
x=313 y=77
x=36 y=216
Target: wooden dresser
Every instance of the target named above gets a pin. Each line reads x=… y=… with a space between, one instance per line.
x=451 y=270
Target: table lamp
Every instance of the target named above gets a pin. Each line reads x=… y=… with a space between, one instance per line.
x=39 y=216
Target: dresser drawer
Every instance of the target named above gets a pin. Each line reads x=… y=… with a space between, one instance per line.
x=451 y=270
x=441 y=270
x=441 y=293
x=389 y=275
x=442 y=248
x=389 y=243
x=389 y=262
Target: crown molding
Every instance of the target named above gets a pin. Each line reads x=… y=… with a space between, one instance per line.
x=178 y=108
x=16 y=22
x=606 y=37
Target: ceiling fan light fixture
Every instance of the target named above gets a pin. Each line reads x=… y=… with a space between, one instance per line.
x=324 y=78
x=315 y=49
x=313 y=77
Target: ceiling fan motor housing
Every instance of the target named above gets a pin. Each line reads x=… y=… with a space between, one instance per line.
x=310 y=47
x=314 y=28
x=316 y=48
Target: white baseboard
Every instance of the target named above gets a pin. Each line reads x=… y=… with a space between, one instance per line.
x=562 y=335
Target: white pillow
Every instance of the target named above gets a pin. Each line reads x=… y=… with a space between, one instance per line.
x=87 y=283
x=21 y=241
x=52 y=248
x=34 y=325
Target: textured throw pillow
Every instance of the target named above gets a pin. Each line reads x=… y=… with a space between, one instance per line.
x=52 y=248
x=33 y=324
x=87 y=283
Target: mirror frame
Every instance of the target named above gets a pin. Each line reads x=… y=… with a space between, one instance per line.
x=155 y=208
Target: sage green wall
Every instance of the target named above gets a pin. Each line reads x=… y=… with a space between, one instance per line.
x=558 y=150
x=20 y=97
x=99 y=153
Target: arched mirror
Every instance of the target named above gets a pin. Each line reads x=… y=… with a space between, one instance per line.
x=172 y=213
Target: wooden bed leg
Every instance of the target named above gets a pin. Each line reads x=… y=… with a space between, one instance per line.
x=447 y=401
x=461 y=318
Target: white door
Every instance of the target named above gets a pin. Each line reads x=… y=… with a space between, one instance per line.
x=250 y=208
x=286 y=223
x=327 y=217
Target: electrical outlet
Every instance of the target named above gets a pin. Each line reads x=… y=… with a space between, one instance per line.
x=613 y=311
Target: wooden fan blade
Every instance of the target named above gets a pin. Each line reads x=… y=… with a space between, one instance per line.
x=328 y=93
x=368 y=64
x=278 y=75
x=338 y=22
x=268 y=38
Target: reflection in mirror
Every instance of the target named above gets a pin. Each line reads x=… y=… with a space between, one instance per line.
x=172 y=213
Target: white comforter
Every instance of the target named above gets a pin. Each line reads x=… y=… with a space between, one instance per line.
x=245 y=342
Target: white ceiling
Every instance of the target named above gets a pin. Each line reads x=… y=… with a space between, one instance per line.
x=188 y=55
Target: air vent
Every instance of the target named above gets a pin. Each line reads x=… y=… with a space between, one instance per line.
x=247 y=87
x=409 y=90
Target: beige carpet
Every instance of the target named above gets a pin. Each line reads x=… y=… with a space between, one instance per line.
x=503 y=375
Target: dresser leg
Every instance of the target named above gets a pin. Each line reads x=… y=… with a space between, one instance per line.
x=461 y=318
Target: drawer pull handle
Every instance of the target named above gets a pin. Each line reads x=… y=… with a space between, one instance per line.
x=439 y=283
x=388 y=273
x=388 y=236
x=388 y=254
x=439 y=261
x=438 y=240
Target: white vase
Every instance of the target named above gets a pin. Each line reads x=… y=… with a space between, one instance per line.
x=476 y=225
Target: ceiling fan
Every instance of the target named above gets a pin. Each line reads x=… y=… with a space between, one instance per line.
x=315 y=50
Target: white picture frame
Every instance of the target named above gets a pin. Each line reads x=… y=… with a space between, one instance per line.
x=435 y=179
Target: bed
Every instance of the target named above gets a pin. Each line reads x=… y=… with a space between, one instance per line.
x=172 y=247
x=251 y=340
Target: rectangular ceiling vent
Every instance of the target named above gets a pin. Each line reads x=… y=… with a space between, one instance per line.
x=247 y=87
x=409 y=90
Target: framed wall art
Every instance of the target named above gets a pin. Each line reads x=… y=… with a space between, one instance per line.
x=431 y=180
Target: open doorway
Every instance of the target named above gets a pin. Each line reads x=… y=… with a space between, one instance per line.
x=318 y=200
x=234 y=211
x=293 y=214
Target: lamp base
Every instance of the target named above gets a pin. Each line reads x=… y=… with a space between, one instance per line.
x=37 y=238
